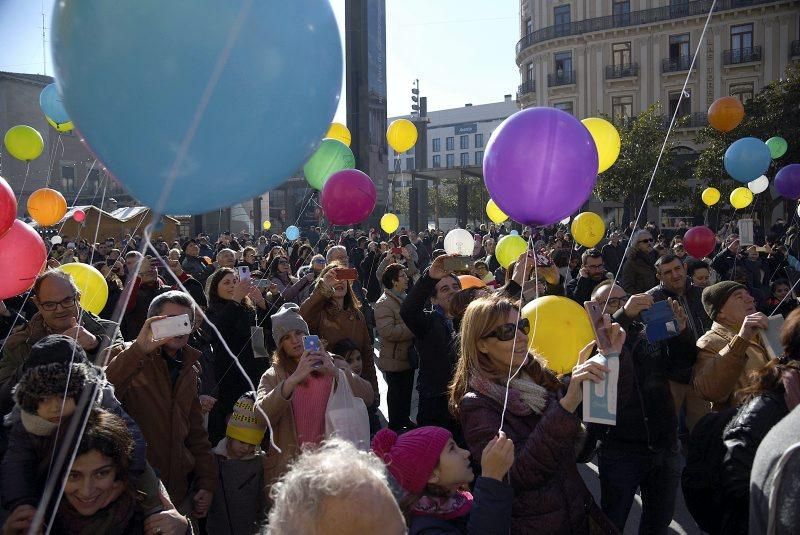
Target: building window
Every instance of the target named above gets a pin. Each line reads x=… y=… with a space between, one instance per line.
x=437 y=160
x=679 y=46
x=68 y=178
x=564 y=106
x=622 y=108
x=450 y=160
x=744 y=92
x=478 y=141
x=621 y=9
x=529 y=72
x=437 y=144
x=528 y=26
x=464 y=142
x=562 y=18
x=94 y=180
x=621 y=54
x=397 y=167
x=685 y=104
x=464 y=159
x=478 y=157
x=741 y=42
x=449 y=145
x=563 y=67
x=409 y=164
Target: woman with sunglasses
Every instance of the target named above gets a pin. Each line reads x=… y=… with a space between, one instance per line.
x=639 y=270
x=540 y=419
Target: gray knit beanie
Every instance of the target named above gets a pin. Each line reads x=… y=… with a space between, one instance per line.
x=287 y=319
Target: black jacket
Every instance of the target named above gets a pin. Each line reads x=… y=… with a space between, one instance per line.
x=638 y=272
x=580 y=289
x=613 y=255
x=724 y=262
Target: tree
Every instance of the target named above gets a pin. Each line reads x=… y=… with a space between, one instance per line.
x=626 y=181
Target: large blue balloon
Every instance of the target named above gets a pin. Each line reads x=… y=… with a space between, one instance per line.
x=197 y=105
x=292 y=232
x=52 y=106
x=747 y=159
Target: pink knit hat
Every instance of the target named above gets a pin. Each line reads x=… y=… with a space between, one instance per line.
x=412 y=456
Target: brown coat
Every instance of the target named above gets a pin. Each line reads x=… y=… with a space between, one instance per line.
x=396 y=338
x=723 y=363
x=171 y=419
x=279 y=411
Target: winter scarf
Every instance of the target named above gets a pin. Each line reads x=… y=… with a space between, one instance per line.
x=524 y=396
x=446 y=508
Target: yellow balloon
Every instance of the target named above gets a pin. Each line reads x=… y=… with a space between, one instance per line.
x=91 y=284
x=560 y=328
x=47 y=206
x=266 y=225
x=606 y=139
x=24 y=142
x=741 y=198
x=496 y=215
x=509 y=248
x=401 y=135
x=339 y=132
x=588 y=229
x=62 y=127
x=710 y=196
x=390 y=223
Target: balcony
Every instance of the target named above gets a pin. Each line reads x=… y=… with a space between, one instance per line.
x=626 y=70
x=561 y=78
x=698 y=119
x=796 y=48
x=528 y=86
x=677 y=64
x=693 y=8
x=741 y=55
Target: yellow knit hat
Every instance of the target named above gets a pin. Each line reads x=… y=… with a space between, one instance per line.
x=245 y=424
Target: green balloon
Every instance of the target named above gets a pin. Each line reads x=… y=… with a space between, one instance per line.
x=777 y=146
x=331 y=156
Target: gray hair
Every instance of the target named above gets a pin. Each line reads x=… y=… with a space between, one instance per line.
x=231 y=251
x=173 y=296
x=336 y=248
x=335 y=469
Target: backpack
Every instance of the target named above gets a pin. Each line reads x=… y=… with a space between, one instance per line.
x=701 y=480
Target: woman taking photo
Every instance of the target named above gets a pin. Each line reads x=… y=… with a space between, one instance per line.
x=249 y=258
x=549 y=494
x=279 y=274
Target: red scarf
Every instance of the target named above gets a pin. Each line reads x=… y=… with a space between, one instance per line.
x=455 y=506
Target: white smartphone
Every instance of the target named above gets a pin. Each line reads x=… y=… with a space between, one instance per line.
x=244 y=273
x=171 y=327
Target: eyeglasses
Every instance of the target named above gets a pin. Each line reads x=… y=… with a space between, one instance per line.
x=319 y=261
x=283 y=261
x=647 y=240
x=50 y=306
x=598 y=266
x=618 y=301
x=507 y=331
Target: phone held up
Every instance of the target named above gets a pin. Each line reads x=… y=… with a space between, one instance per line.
x=595 y=312
x=457 y=263
x=171 y=327
x=346 y=274
x=244 y=273
x=312 y=343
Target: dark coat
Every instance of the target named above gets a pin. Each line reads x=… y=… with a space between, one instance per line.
x=638 y=273
x=613 y=255
x=724 y=262
x=580 y=289
x=369 y=266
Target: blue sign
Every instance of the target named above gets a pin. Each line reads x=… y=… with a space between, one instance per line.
x=469 y=128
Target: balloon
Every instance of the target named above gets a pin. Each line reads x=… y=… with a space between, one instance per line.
x=331 y=156
x=710 y=196
x=747 y=159
x=758 y=185
x=459 y=241
x=55 y=240
x=565 y=220
x=798 y=210
x=725 y=113
x=495 y=214
x=91 y=284
x=514 y=233
x=588 y=229
x=741 y=198
x=266 y=225
x=540 y=166
x=24 y=142
x=8 y=206
x=63 y=127
x=195 y=109
x=47 y=206
x=470 y=281
x=787 y=181
x=22 y=255
x=79 y=216
x=348 y=197
x=777 y=146
x=52 y=106
x=401 y=135
x=606 y=139
x=508 y=249
x=389 y=223
x=560 y=328
x=339 y=132
x=292 y=232
x=699 y=241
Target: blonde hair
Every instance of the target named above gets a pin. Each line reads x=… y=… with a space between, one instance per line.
x=481 y=316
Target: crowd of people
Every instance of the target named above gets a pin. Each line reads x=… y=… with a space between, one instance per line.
x=226 y=428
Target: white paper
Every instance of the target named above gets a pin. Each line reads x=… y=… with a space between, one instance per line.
x=600 y=399
x=745 y=232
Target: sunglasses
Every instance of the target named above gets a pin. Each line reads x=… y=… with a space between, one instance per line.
x=507 y=331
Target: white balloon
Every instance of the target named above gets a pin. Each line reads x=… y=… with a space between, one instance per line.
x=565 y=220
x=459 y=241
x=759 y=185
x=798 y=209
x=55 y=240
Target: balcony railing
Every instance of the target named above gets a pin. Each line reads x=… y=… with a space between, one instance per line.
x=796 y=48
x=741 y=55
x=698 y=119
x=677 y=64
x=528 y=86
x=561 y=78
x=625 y=70
x=634 y=18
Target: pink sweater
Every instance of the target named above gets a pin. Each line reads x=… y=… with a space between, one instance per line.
x=309 y=401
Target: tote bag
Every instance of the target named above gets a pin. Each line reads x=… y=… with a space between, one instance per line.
x=346 y=415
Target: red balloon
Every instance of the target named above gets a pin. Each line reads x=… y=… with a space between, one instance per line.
x=22 y=255
x=79 y=216
x=8 y=206
x=699 y=242
x=348 y=197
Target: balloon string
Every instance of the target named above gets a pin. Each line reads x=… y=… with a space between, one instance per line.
x=25 y=180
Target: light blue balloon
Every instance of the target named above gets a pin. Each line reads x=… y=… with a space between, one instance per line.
x=51 y=104
x=747 y=159
x=227 y=98
x=292 y=232
x=514 y=233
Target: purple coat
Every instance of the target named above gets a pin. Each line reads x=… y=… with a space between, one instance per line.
x=549 y=494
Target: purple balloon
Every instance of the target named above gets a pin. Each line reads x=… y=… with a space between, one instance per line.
x=348 y=197
x=787 y=181
x=540 y=166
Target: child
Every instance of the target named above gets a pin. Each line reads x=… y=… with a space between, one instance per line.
x=777 y=292
x=239 y=505
x=348 y=349
x=433 y=471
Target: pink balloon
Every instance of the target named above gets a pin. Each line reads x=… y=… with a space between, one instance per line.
x=8 y=206
x=699 y=241
x=348 y=197
x=22 y=255
x=79 y=216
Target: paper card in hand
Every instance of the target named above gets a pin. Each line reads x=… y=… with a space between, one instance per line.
x=660 y=322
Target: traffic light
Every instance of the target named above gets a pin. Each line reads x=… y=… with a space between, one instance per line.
x=415 y=99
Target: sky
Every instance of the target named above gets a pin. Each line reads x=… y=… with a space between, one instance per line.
x=460 y=50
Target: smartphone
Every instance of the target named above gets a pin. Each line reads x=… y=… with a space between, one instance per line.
x=346 y=274
x=397 y=250
x=244 y=273
x=595 y=312
x=171 y=327
x=542 y=260
x=312 y=343
x=457 y=263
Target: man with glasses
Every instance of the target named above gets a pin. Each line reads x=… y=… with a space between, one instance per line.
x=592 y=272
x=639 y=271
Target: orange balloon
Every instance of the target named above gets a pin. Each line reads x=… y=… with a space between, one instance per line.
x=470 y=281
x=47 y=206
x=726 y=113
